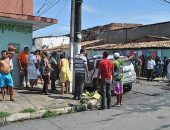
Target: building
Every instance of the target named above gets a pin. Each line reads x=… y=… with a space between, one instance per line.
x=50 y=41
x=17 y=24
x=89 y=36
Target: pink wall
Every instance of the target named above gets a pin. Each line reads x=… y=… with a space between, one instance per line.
x=15 y=6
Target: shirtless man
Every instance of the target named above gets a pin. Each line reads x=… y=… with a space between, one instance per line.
x=5 y=75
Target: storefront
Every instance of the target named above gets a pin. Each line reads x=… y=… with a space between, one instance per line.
x=18 y=30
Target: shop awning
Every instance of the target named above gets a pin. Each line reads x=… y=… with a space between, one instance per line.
x=36 y=21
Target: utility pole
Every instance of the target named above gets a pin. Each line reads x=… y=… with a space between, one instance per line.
x=72 y=44
x=77 y=27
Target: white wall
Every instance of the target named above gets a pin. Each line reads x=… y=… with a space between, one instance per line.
x=51 y=41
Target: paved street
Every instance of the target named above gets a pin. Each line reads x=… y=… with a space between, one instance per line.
x=146 y=107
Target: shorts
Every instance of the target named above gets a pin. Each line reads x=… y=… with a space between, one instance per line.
x=6 y=80
x=118 y=87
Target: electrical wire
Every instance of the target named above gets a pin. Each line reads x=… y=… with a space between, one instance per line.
x=165 y=1
x=159 y=2
x=49 y=7
x=62 y=8
x=43 y=5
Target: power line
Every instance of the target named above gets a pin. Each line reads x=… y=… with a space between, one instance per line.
x=62 y=8
x=165 y=1
x=159 y=2
x=43 y=5
x=50 y=7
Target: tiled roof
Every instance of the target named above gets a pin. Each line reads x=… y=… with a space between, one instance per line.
x=142 y=45
x=149 y=38
x=84 y=44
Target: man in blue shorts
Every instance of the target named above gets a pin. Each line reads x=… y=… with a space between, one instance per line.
x=5 y=75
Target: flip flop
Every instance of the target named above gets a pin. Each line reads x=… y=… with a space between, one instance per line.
x=117 y=105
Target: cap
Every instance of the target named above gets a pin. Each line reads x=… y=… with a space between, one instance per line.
x=11 y=48
x=33 y=49
x=116 y=54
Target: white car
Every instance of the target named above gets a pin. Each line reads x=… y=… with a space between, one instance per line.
x=129 y=74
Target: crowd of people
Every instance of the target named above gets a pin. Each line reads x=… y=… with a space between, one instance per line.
x=146 y=66
x=36 y=66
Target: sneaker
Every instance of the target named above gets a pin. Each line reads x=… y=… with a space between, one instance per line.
x=79 y=98
x=108 y=107
x=101 y=108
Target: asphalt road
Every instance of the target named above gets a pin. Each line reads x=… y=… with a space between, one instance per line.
x=146 y=107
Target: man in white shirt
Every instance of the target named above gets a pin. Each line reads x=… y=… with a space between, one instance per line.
x=150 y=68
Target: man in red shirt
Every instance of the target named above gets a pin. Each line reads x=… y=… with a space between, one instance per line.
x=105 y=73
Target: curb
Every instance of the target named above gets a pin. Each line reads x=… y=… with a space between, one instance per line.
x=39 y=114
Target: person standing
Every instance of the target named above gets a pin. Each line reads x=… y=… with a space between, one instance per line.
x=5 y=76
x=150 y=68
x=23 y=63
x=65 y=74
x=54 y=74
x=165 y=64
x=38 y=57
x=32 y=68
x=81 y=71
x=118 y=76
x=46 y=68
x=139 y=67
x=168 y=73
x=105 y=74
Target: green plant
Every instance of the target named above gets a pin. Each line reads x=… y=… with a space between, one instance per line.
x=28 y=110
x=88 y=94
x=49 y=114
x=4 y=114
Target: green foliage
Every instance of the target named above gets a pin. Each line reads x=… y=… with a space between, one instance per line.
x=28 y=110
x=4 y=114
x=88 y=94
x=49 y=114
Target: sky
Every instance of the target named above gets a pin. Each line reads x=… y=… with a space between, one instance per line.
x=100 y=12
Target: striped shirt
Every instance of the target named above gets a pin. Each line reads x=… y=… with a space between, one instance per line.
x=79 y=63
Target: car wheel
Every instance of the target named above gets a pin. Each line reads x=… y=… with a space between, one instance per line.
x=127 y=87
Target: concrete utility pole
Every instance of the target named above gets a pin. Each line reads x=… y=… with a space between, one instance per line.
x=72 y=44
x=75 y=35
x=77 y=27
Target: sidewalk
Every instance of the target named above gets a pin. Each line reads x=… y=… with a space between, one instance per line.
x=26 y=98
